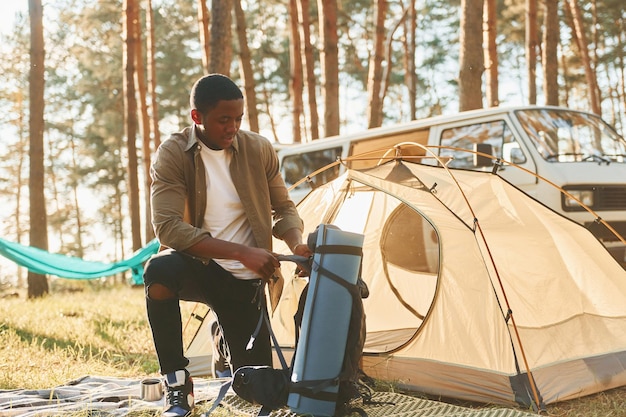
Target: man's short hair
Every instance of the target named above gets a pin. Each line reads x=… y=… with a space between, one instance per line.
x=212 y=88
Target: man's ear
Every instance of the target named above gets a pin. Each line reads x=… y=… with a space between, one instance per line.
x=196 y=116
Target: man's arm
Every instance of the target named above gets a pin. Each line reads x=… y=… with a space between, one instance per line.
x=293 y=239
x=260 y=261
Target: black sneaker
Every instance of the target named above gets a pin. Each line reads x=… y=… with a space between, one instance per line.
x=179 y=402
x=220 y=367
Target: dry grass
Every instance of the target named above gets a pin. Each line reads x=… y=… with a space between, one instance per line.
x=87 y=328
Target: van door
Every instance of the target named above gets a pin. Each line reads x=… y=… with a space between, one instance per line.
x=469 y=142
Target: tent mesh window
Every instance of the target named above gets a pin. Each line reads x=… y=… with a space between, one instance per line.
x=410 y=242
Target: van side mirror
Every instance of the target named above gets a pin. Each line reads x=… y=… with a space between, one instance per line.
x=481 y=160
x=517 y=156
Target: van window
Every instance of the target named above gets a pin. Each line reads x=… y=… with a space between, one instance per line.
x=571 y=136
x=494 y=137
x=297 y=166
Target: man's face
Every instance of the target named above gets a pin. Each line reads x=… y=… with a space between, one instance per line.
x=218 y=126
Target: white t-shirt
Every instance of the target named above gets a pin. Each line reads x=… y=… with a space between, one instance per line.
x=225 y=217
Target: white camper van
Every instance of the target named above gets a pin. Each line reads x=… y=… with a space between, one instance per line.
x=574 y=150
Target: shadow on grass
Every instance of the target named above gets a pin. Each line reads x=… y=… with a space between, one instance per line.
x=115 y=356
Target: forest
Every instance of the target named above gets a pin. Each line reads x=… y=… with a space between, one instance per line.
x=90 y=88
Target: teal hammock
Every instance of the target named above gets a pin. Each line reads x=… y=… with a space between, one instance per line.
x=43 y=262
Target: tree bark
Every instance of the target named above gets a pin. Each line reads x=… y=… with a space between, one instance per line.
x=329 y=58
x=387 y=69
x=37 y=283
x=375 y=76
x=140 y=82
x=221 y=37
x=246 y=69
x=22 y=146
x=531 y=49
x=131 y=14
x=410 y=78
x=549 y=58
x=308 y=62
x=471 y=56
x=152 y=79
x=491 y=56
x=296 y=86
x=621 y=62
x=204 y=20
x=583 y=48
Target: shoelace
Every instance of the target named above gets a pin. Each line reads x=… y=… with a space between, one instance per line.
x=176 y=397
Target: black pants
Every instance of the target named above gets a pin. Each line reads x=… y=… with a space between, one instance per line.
x=233 y=301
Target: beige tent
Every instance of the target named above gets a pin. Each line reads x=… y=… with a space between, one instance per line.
x=474 y=287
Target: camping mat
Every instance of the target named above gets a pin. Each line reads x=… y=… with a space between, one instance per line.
x=102 y=396
x=389 y=404
x=113 y=397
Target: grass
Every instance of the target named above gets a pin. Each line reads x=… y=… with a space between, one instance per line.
x=90 y=328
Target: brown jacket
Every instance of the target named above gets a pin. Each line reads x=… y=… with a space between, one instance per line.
x=178 y=192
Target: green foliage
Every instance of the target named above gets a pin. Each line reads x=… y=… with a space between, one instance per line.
x=84 y=113
x=178 y=57
x=14 y=67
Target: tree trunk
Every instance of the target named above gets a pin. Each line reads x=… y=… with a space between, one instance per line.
x=583 y=48
x=491 y=58
x=221 y=37
x=410 y=77
x=375 y=76
x=295 y=80
x=471 y=57
x=566 y=84
x=387 y=69
x=22 y=146
x=268 y=111
x=118 y=224
x=37 y=283
x=75 y=194
x=140 y=82
x=549 y=58
x=309 y=65
x=247 y=73
x=329 y=59
x=57 y=220
x=131 y=14
x=204 y=20
x=531 y=49
x=621 y=72
x=595 y=41
x=152 y=79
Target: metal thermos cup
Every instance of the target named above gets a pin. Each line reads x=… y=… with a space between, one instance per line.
x=151 y=389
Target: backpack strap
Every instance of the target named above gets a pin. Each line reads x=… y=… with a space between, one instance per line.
x=345 y=250
x=263 y=318
x=315 y=389
x=220 y=396
x=339 y=250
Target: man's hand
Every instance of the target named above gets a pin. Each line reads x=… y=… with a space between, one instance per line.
x=302 y=249
x=260 y=261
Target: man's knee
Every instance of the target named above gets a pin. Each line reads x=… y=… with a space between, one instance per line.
x=153 y=277
x=157 y=276
x=160 y=292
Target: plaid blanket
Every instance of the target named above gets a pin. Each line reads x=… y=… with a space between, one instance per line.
x=100 y=395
